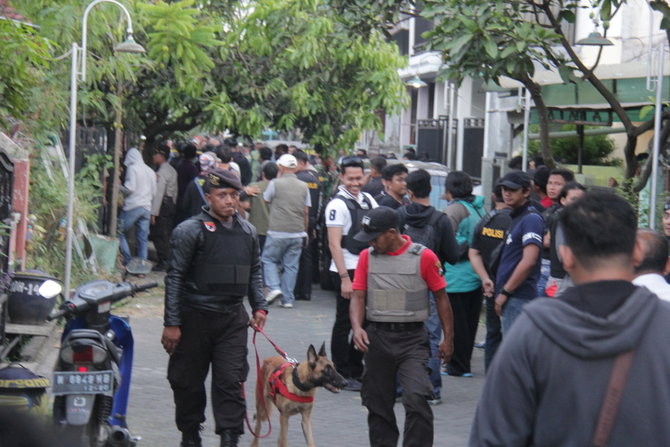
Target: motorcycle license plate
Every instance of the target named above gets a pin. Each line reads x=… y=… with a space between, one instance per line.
x=92 y=382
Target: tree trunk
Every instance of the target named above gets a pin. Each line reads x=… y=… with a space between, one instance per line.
x=543 y=115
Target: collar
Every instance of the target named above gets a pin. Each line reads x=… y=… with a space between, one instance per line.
x=518 y=211
x=342 y=190
x=296 y=381
x=402 y=249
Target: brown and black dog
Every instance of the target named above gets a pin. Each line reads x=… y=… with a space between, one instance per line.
x=291 y=388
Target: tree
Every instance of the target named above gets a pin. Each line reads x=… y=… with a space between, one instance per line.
x=512 y=38
x=229 y=65
x=23 y=59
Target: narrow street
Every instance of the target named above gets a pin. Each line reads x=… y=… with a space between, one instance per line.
x=338 y=419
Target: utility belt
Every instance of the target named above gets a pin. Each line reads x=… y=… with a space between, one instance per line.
x=396 y=327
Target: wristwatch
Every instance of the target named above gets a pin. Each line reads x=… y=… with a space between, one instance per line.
x=506 y=292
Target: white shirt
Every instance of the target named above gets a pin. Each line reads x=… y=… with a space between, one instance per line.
x=337 y=215
x=655 y=283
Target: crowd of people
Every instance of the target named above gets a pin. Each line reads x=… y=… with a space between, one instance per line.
x=410 y=282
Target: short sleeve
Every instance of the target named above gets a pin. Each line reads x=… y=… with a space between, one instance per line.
x=431 y=271
x=532 y=229
x=308 y=197
x=361 y=273
x=337 y=214
x=269 y=193
x=476 y=235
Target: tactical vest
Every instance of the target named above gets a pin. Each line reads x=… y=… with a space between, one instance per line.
x=356 y=212
x=223 y=265
x=397 y=292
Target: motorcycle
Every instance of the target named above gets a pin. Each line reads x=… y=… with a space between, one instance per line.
x=91 y=380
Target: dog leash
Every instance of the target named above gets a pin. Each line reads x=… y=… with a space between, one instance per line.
x=260 y=393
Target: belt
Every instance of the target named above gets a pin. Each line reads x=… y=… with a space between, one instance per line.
x=397 y=327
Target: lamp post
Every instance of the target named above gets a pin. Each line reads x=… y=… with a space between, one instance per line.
x=78 y=73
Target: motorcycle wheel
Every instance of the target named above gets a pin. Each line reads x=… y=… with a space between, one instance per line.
x=93 y=434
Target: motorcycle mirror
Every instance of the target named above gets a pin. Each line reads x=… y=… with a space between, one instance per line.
x=50 y=289
x=139 y=266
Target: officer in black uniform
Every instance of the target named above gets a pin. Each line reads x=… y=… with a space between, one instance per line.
x=487 y=235
x=214 y=263
x=306 y=173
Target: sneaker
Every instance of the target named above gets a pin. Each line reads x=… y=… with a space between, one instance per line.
x=481 y=344
x=435 y=400
x=286 y=305
x=353 y=385
x=273 y=296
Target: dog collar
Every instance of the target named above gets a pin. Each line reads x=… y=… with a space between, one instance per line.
x=296 y=381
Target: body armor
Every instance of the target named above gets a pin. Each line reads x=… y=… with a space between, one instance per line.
x=397 y=292
x=223 y=267
x=356 y=212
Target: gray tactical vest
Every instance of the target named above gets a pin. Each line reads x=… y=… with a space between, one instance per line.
x=396 y=291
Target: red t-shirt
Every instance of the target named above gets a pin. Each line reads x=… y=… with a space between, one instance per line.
x=546 y=202
x=430 y=268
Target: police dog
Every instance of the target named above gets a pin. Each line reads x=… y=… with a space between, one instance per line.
x=291 y=388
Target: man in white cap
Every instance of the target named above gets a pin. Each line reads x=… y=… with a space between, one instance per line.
x=289 y=201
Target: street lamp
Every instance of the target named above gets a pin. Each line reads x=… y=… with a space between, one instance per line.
x=79 y=74
x=416 y=82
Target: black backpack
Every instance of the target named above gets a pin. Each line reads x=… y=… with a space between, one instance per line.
x=427 y=235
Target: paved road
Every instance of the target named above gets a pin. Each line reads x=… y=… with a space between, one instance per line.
x=338 y=419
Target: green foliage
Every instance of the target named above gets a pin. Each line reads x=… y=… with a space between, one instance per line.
x=23 y=59
x=48 y=203
x=221 y=65
x=316 y=75
x=597 y=149
x=490 y=39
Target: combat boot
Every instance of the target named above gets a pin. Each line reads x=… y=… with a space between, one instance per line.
x=229 y=438
x=191 y=439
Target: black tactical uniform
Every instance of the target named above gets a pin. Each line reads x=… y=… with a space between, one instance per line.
x=303 y=284
x=212 y=267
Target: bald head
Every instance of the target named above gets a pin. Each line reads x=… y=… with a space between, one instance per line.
x=655 y=249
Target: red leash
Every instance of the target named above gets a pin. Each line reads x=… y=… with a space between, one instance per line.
x=259 y=381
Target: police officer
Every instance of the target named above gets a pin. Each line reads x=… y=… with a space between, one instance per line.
x=214 y=263
x=487 y=236
x=307 y=173
x=391 y=286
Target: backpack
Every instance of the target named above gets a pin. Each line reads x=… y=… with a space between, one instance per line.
x=427 y=235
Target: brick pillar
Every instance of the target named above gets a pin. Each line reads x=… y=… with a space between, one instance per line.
x=20 y=196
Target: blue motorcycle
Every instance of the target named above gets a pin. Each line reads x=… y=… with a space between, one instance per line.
x=91 y=380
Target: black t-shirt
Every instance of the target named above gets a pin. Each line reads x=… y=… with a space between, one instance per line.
x=314 y=184
x=489 y=233
x=549 y=215
x=387 y=200
x=551 y=223
x=374 y=186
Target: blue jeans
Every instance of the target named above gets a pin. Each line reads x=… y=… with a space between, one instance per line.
x=511 y=311
x=140 y=218
x=545 y=271
x=434 y=329
x=284 y=253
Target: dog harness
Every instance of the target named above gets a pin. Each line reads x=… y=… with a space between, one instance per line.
x=278 y=386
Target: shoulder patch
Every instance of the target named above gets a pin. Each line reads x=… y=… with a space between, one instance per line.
x=210 y=226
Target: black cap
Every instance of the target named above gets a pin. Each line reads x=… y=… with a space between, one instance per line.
x=376 y=222
x=515 y=180
x=219 y=178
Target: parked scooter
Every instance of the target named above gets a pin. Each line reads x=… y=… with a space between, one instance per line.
x=91 y=379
